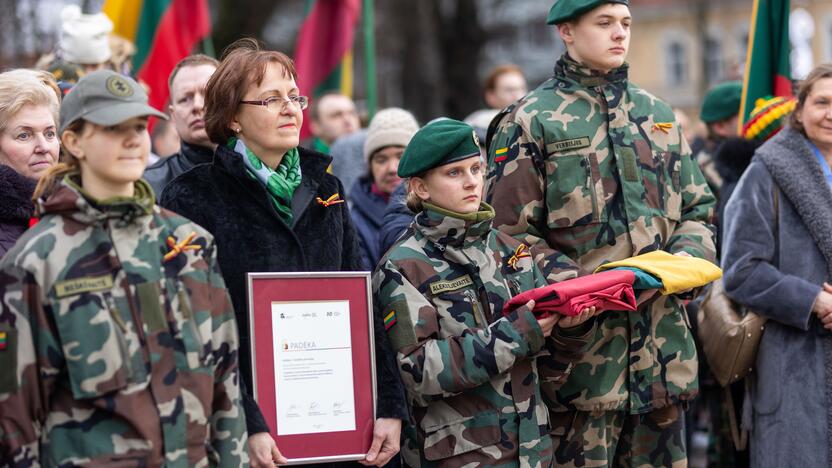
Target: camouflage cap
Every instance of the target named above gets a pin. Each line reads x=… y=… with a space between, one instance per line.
x=565 y=10
x=105 y=97
x=436 y=144
x=721 y=102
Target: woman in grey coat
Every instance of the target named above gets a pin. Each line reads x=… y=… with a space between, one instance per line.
x=780 y=264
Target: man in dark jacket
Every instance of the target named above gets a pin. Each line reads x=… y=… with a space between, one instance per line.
x=187 y=110
x=388 y=135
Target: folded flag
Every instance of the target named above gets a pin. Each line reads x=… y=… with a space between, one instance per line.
x=643 y=280
x=676 y=272
x=610 y=290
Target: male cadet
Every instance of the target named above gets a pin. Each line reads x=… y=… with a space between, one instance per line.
x=595 y=167
x=187 y=110
x=720 y=112
x=332 y=116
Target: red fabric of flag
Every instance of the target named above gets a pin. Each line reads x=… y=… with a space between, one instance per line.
x=325 y=37
x=608 y=290
x=181 y=27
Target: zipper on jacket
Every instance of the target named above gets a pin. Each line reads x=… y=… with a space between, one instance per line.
x=120 y=337
x=479 y=318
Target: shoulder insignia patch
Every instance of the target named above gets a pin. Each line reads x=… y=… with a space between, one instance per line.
x=8 y=359
x=501 y=155
x=399 y=326
x=438 y=287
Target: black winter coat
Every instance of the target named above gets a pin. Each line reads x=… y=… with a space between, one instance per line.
x=731 y=160
x=16 y=207
x=251 y=237
x=160 y=174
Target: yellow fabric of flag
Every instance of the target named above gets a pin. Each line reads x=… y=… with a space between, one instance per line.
x=677 y=273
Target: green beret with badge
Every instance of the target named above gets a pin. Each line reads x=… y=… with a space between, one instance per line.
x=105 y=98
x=438 y=143
x=567 y=10
x=721 y=102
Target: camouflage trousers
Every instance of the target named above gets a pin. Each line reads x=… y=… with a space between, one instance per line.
x=619 y=439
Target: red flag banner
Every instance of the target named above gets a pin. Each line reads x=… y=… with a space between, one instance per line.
x=325 y=38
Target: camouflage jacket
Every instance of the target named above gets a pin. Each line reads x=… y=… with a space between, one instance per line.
x=118 y=342
x=470 y=372
x=597 y=168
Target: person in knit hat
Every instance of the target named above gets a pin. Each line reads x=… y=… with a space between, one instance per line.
x=85 y=38
x=387 y=136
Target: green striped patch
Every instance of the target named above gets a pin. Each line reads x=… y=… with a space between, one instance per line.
x=390 y=320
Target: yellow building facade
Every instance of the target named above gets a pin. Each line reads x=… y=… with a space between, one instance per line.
x=680 y=48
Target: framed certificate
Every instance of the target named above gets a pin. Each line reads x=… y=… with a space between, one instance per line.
x=313 y=362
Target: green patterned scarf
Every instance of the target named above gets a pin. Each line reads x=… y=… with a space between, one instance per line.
x=280 y=183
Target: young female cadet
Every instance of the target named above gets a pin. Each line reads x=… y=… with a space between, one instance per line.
x=118 y=342
x=471 y=374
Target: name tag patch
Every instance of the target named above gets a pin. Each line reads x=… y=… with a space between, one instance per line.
x=439 y=287
x=75 y=286
x=568 y=145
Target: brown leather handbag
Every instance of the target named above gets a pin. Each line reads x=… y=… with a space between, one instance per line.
x=730 y=335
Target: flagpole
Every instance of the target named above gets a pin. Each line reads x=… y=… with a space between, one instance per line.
x=370 y=56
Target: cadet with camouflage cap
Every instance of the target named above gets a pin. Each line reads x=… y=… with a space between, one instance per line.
x=118 y=342
x=595 y=167
x=471 y=375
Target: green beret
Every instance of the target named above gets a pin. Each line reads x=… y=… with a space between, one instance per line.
x=721 y=102
x=436 y=144
x=565 y=10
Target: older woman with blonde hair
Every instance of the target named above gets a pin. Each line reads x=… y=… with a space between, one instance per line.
x=28 y=145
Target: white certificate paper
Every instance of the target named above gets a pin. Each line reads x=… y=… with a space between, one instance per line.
x=313 y=360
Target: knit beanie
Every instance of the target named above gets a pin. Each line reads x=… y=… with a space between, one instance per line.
x=389 y=127
x=84 y=38
x=768 y=117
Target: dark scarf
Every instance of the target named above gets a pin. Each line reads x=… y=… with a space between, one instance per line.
x=16 y=191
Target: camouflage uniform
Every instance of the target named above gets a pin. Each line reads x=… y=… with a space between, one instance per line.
x=116 y=355
x=472 y=384
x=597 y=168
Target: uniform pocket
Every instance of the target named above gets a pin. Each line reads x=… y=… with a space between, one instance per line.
x=187 y=327
x=574 y=190
x=449 y=429
x=672 y=172
x=94 y=339
x=461 y=310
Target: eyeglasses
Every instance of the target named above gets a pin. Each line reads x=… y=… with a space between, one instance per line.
x=278 y=104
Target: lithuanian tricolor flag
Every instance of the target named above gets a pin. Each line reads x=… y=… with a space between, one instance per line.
x=323 y=57
x=767 y=67
x=164 y=31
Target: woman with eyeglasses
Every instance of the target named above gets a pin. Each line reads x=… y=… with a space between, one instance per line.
x=272 y=206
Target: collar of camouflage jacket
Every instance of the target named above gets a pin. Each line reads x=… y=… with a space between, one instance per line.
x=69 y=199
x=449 y=228
x=571 y=70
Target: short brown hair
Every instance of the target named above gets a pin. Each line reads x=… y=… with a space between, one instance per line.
x=490 y=83
x=820 y=72
x=315 y=105
x=191 y=61
x=243 y=64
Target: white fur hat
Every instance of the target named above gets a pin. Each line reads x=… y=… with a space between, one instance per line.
x=84 y=38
